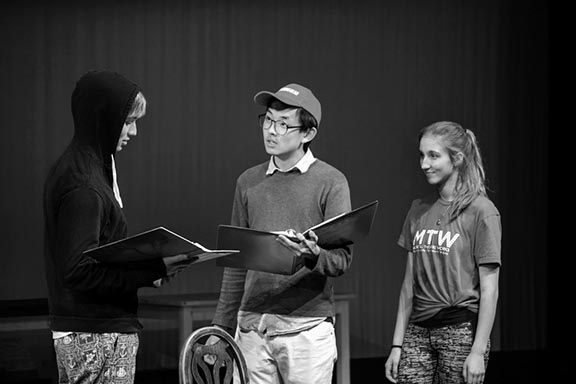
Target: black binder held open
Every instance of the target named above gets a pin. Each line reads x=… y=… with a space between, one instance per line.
x=154 y=243
x=260 y=251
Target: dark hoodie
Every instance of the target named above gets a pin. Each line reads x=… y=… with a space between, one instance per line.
x=81 y=212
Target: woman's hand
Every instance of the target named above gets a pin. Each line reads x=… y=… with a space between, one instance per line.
x=391 y=367
x=474 y=369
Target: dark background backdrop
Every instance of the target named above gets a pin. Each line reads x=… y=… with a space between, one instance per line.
x=382 y=71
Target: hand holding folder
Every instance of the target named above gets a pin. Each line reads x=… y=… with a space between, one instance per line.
x=260 y=251
x=301 y=246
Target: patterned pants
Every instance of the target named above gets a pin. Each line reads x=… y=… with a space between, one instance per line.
x=96 y=358
x=436 y=355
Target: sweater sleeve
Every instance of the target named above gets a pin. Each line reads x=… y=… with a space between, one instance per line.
x=335 y=262
x=80 y=217
x=232 y=287
x=231 y=293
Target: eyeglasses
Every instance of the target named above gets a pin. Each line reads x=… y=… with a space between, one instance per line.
x=280 y=126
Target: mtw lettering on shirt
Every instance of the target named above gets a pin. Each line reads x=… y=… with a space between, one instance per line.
x=433 y=240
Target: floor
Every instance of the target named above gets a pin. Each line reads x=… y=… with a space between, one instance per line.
x=503 y=368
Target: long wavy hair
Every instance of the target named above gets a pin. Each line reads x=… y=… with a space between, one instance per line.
x=471 y=181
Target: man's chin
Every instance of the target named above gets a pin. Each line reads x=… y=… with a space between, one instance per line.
x=272 y=151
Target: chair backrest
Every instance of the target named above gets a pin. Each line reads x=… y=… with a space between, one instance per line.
x=194 y=369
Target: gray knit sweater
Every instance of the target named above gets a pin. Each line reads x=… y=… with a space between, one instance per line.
x=278 y=202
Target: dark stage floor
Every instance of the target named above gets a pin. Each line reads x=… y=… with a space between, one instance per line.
x=504 y=368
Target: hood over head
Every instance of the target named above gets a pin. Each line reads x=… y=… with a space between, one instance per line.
x=101 y=102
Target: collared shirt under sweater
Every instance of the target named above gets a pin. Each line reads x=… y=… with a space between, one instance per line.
x=305 y=195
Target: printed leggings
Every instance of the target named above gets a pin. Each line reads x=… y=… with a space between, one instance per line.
x=436 y=355
x=96 y=358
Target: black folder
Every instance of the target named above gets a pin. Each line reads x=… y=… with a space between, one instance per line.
x=154 y=243
x=260 y=251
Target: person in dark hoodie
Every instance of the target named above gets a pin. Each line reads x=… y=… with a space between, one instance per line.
x=93 y=306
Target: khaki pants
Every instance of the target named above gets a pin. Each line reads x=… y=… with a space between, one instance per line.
x=299 y=358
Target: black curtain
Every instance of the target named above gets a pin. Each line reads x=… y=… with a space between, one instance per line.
x=382 y=70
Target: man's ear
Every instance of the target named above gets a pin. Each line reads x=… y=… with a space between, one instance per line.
x=310 y=135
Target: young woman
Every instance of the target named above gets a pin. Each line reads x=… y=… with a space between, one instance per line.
x=448 y=298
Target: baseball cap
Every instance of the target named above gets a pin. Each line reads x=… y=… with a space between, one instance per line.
x=294 y=95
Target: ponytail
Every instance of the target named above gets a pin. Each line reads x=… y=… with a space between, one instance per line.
x=471 y=175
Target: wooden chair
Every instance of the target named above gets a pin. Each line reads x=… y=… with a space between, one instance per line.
x=229 y=358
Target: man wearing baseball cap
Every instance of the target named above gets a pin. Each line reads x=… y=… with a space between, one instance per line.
x=285 y=324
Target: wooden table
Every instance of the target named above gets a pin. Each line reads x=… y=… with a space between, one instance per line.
x=201 y=307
